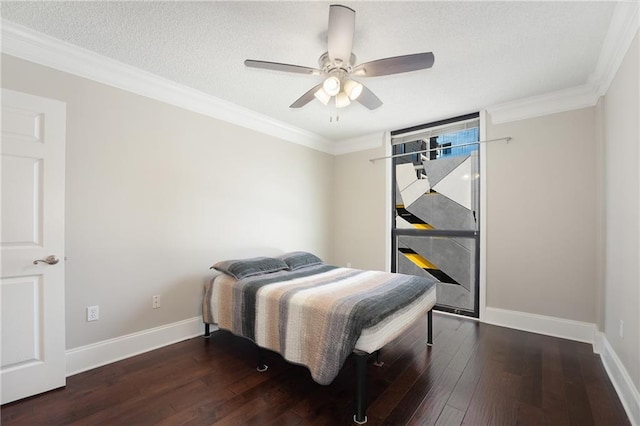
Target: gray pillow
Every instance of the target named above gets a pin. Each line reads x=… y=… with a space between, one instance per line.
x=300 y=259
x=242 y=268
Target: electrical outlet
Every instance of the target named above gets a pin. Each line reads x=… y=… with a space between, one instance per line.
x=155 y=301
x=348 y=264
x=93 y=313
x=621 y=329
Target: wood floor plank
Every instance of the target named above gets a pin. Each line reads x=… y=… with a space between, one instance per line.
x=433 y=403
x=450 y=417
x=554 y=402
x=600 y=392
x=531 y=371
x=197 y=411
x=466 y=350
x=280 y=399
x=494 y=400
x=383 y=405
x=429 y=377
x=323 y=402
x=529 y=415
x=604 y=408
x=575 y=391
x=460 y=397
x=288 y=418
x=475 y=374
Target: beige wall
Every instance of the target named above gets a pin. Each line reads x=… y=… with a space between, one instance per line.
x=600 y=216
x=360 y=214
x=541 y=216
x=622 y=183
x=156 y=194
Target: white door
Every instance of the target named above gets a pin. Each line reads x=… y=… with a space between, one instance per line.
x=32 y=295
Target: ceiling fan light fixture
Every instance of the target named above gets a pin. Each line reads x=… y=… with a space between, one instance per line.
x=331 y=85
x=342 y=100
x=353 y=89
x=322 y=96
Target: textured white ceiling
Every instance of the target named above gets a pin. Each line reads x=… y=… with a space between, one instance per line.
x=486 y=53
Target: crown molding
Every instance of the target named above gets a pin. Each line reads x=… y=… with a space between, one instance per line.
x=622 y=29
x=33 y=46
x=549 y=103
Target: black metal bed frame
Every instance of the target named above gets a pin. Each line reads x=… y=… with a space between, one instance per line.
x=360 y=416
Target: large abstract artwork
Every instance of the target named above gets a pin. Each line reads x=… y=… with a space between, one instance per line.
x=439 y=192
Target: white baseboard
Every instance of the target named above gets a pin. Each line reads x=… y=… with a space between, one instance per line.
x=98 y=354
x=598 y=342
x=550 y=326
x=628 y=393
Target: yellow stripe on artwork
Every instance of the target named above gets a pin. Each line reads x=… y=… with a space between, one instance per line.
x=422 y=226
x=420 y=261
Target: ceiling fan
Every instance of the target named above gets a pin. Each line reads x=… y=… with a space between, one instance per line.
x=338 y=65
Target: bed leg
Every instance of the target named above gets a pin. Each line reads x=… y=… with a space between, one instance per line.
x=207 y=331
x=361 y=388
x=378 y=363
x=430 y=328
x=262 y=367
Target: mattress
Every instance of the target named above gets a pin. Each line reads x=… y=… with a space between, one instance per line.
x=373 y=338
x=316 y=316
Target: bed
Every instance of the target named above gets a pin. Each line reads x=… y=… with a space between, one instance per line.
x=316 y=314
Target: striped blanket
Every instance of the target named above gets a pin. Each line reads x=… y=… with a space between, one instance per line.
x=312 y=316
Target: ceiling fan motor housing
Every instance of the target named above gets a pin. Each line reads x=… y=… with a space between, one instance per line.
x=329 y=66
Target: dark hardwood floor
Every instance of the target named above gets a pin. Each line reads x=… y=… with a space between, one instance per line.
x=475 y=374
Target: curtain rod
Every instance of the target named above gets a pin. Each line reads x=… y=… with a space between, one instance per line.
x=373 y=160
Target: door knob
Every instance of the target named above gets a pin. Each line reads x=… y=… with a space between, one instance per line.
x=51 y=260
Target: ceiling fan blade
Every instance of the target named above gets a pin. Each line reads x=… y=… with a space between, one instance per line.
x=276 y=66
x=342 y=22
x=395 y=65
x=368 y=99
x=306 y=98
